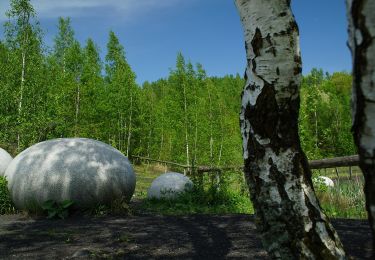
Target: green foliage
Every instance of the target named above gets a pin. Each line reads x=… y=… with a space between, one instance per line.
x=345 y=200
x=325 y=116
x=319 y=184
x=188 y=117
x=57 y=209
x=210 y=195
x=6 y=204
x=201 y=201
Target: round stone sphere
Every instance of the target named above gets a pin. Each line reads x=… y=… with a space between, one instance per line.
x=169 y=185
x=85 y=171
x=326 y=181
x=5 y=160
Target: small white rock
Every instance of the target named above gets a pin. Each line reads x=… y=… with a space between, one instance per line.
x=326 y=181
x=169 y=185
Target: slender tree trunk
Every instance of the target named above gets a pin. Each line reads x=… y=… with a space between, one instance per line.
x=222 y=134
x=161 y=142
x=78 y=100
x=25 y=21
x=361 y=14
x=288 y=214
x=149 y=138
x=119 y=133
x=196 y=131
x=130 y=125
x=186 y=128
x=211 y=126
x=21 y=97
x=316 y=129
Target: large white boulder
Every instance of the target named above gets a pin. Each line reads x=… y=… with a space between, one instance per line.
x=5 y=160
x=85 y=171
x=169 y=185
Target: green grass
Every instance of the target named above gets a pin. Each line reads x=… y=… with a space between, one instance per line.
x=6 y=205
x=346 y=199
x=229 y=195
x=146 y=173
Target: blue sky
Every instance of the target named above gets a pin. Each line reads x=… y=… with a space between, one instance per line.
x=205 y=31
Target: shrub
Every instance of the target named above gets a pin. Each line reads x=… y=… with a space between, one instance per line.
x=6 y=204
x=57 y=210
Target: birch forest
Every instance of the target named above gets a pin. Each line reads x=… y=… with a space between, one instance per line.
x=189 y=117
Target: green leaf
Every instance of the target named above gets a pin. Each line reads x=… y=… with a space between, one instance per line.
x=67 y=203
x=51 y=214
x=48 y=205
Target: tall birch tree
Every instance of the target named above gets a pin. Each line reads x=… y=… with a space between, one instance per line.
x=288 y=214
x=19 y=32
x=361 y=14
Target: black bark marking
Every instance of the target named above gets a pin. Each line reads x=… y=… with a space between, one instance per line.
x=263 y=115
x=298 y=67
x=257 y=42
x=272 y=48
x=278 y=71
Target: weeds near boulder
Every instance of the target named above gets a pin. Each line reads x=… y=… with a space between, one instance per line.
x=6 y=204
x=57 y=209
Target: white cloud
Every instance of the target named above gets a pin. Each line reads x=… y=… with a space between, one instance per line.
x=73 y=8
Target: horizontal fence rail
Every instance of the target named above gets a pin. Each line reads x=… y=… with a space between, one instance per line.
x=345 y=161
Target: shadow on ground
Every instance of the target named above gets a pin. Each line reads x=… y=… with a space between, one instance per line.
x=151 y=237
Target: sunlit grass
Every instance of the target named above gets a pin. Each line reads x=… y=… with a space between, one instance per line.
x=215 y=196
x=346 y=199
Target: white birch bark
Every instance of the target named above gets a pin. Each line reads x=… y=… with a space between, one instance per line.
x=186 y=127
x=130 y=126
x=222 y=133
x=161 y=142
x=78 y=100
x=196 y=132
x=361 y=15
x=288 y=214
x=25 y=40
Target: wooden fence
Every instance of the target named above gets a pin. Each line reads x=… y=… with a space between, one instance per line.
x=345 y=161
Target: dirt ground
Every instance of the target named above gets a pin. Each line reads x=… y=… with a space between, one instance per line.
x=151 y=237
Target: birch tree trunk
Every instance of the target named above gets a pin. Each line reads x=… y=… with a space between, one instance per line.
x=78 y=101
x=186 y=127
x=288 y=214
x=21 y=95
x=130 y=126
x=361 y=15
x=25 y=21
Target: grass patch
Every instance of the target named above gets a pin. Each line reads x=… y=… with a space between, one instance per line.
x=209 y=195
x=230 y=194
x=346 y=199
x=145 y=174
x=227 y=194
x=6 y=204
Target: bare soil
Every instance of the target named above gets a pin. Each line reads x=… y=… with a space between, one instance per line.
x=151 y=237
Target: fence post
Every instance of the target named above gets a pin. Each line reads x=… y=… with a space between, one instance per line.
x=350 y=172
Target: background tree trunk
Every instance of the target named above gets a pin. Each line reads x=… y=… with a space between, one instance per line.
x=361 y=15
x=288 y=214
